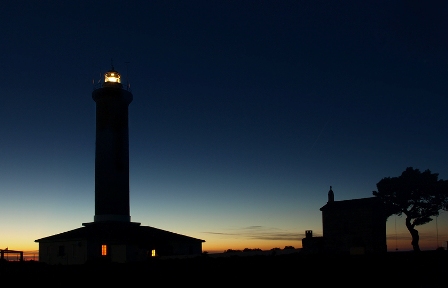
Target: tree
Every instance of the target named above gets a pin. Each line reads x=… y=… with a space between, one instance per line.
x=417 y=195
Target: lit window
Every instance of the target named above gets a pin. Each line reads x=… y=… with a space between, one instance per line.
x=103 y=250
x=153 y=252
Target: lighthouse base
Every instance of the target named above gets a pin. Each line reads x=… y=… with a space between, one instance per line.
x=112 y=217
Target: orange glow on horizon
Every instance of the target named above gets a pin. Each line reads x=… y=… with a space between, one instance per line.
x=237 y=244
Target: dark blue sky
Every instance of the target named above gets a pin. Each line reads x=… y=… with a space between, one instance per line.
x=244 y=112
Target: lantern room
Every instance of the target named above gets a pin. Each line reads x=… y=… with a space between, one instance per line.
x=112 y=76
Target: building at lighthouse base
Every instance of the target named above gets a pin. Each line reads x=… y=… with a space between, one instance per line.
x=119 y=242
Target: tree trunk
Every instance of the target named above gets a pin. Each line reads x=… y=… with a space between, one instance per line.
x=414 y=234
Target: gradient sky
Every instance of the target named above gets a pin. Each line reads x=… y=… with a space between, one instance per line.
x=244 y=113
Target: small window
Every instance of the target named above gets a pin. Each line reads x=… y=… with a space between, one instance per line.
x=153 y=252
x=103 y=250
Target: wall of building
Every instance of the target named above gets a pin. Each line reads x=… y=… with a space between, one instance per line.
x=362 y=226
x=187 y=248
x=66 y=253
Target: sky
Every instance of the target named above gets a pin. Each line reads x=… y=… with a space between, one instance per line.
x=244 y=113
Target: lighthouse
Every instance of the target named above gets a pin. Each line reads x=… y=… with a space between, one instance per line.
x=112 y=236
x=112 y=150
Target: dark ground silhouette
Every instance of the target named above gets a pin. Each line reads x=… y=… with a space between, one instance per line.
x=399 y=269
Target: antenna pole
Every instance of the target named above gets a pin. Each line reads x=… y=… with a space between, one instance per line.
x=127 y=75
x=437 y=232
x=396 y=247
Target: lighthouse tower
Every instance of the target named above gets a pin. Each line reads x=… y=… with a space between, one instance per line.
x=112 y=236
x=112 y=150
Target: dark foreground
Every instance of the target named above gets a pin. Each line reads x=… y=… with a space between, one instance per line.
x=402 y=269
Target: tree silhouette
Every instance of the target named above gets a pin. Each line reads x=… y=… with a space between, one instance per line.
x=417 y=195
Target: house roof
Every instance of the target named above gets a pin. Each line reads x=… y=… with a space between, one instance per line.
x=119 y=232
x=352 y=203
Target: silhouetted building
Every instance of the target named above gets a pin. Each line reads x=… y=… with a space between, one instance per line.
x=356 y=226
x=312 y=244
x=112 y=236
x=18 y=254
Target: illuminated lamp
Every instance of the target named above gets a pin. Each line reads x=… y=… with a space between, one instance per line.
x=112 y=76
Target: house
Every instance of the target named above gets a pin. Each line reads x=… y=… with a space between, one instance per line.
x=356 y=226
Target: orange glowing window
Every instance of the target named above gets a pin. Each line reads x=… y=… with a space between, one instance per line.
x=103 y=250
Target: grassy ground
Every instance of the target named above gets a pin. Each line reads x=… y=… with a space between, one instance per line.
x=399 y=269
